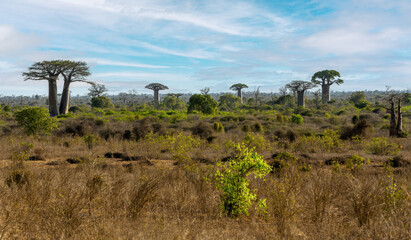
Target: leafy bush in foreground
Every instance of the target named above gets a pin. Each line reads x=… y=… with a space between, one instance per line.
x=237 y=198
x=36 y=120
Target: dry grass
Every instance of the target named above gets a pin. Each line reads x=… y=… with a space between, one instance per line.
x=104 y=198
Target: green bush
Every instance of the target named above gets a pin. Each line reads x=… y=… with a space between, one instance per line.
x=218 y=127
x=297 y=119
x=7 y=108
x=101 y=102
x=36 y=120
x=236 y=197
x=202 y=103
x=380 y=146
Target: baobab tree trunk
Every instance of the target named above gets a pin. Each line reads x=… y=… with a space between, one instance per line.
x=240 y=95
x=53 y=100
x=393 y=124
x=325 y=93
x=300 y=98
x=156 y=96
x=399 y=122
x=65 y=98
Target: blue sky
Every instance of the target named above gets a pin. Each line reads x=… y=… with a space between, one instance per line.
x=188 y=45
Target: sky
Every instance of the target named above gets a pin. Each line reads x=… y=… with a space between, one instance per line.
x=191 y=44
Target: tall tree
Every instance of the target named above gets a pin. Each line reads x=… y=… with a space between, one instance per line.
x=50 y=71
x=72 y=71
x=96 y=90
x=326 y=78
x=238 y=87
x=300 y=87
x=156 y=87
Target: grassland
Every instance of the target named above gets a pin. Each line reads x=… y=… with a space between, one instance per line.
x=138 y=173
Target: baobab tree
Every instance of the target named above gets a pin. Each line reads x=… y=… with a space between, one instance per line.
x=96 y=90
x=300 y=87
x=72 y=71
x=326 y=78
x=395 y=123
x=156 y=87
x=238 y=87
x=50 y=71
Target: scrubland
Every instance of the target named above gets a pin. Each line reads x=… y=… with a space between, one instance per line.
x=133 y=173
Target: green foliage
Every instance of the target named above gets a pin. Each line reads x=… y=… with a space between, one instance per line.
x=380 y=146
x=36 y=120
x=358 y=99
x=394 y=196
x=258 y=127
x=297 y=119
x=101 y=102
x=355 y=119
x=202 y=103
x=236 y=197
x=218 y=127
x=229 y=102
x=256 y=141
x=328 y=141
x=174 y=103
x=355 y=163
x=7 y=108
x=90 y=141
x=281 y=161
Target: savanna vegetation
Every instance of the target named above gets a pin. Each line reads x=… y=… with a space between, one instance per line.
x=232 y=167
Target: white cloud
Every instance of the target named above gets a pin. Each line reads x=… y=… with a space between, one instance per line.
x=11 y=40
x=352 y=40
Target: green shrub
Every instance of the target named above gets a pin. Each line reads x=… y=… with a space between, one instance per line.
x=101 y=102
x=380 y=146
x=218 y=127
x=355 y=163
x=297 y=119
x=355 y=119
x=236 y=197
x=258 y=127
x=36 y=120
x=202 y=103
x=281 y=161
x=7 y=108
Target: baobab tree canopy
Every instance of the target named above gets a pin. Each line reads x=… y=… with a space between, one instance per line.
x=238 y=86
x=156 y=87
x=300 y=87
x=72 y=71
x=326 y=78
x=46 y=70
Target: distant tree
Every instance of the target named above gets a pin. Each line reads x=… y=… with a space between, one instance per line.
x=96 y=90
x=177 y=95
x=238 y=87
x=156 y=87
x=49 y=71
x=72 y=71
x=174 y=103
x=101 y=102
x=300 y=87
x=229 y=102
x=326 y=78
x=35 y=120
x=202 y=103
x=358 y=99
x=317 y=95
x=283 y=91
x=205 y=91
x=256 y=94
